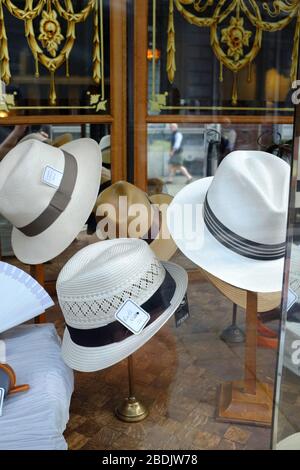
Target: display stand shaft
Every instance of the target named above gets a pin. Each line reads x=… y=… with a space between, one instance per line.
x=251 y=343
x=131 y=410
x=38 y=272
x=130 y=377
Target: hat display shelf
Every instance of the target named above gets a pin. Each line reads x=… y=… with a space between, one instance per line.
x=131 y=410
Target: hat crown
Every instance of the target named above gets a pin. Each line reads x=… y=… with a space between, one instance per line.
x=99 y=278
x=21 y=181
x=249 y=196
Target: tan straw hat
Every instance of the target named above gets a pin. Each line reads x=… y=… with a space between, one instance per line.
x=265 y=301
x=155 y=232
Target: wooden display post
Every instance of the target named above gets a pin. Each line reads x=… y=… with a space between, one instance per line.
x=247 y=401
x=38 y=272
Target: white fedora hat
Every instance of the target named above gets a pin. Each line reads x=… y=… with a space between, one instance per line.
x=47 y=194
x=234 y=225
x=96 y=282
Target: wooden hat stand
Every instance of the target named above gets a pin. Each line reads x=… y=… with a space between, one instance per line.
x=248 y=401
x=266 y=338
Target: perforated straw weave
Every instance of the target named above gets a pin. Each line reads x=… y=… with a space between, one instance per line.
x=99 y=278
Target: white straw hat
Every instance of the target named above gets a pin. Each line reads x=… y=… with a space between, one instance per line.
x=93 y=285
x=47 y=194
x=234 y=225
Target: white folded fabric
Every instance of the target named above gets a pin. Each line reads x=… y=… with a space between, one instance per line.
x=36 y=419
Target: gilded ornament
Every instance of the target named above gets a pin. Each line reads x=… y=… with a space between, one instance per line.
x=46 y=52
x=50 y=32
x=237 y=47
x=236 y=37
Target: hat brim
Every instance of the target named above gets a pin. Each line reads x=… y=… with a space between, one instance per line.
x=86 y=359
x=265 y=301
x=54 y=240
x=187 y=227
x=163 y=246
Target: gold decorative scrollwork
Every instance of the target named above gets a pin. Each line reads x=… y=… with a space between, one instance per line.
x=235 y=45
x=51 y=49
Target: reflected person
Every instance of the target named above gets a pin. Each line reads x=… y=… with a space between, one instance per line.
x=176 y=156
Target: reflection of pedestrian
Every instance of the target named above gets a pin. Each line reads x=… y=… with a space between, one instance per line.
x=228 y=139
x=176 y=160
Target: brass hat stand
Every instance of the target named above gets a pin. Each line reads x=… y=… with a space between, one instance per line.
x=247 y=401
x=131 y=410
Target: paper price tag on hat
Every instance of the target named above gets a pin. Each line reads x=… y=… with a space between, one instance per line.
x=52 y=177
x=132 y=316
x=182 y=313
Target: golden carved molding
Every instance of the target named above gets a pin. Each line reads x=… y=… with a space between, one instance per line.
x=235 y=45
x=50 y=48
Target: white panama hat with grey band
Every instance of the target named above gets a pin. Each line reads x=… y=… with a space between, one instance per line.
x=234 y=224
x=95 y=285
x=47 y=194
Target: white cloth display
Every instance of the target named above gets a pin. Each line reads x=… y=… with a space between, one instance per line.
x=36 y=419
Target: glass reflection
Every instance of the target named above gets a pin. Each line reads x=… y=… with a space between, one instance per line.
x=178 y=154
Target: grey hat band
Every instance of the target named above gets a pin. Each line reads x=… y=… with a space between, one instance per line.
x=58 y=203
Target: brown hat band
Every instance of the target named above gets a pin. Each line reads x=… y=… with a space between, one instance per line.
x=58 y=203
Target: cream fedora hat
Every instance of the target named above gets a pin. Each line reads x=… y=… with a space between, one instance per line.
x=47 y=194
x=156 y=232
x=234 y=225
x=96 y=282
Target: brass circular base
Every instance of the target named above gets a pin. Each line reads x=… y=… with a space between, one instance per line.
x=131 y=411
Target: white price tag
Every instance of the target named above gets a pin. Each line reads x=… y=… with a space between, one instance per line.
x=2 y=392
x=52 y=177
x=292 y=299
x=132 y=316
